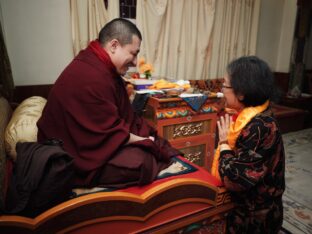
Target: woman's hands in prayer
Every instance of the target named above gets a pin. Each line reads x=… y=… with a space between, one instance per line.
x=223 y=127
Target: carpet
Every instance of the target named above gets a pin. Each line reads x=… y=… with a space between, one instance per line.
x=298 y=175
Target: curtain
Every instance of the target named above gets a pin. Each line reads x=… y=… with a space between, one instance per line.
x=6 y=78
x=196 y=39
x=176 y=35
x=87 y=19
x=113 y=9
x=234 y=34
x=297 y=83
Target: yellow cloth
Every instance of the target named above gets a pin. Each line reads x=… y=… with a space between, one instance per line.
x=163 y=84
x=236 y=127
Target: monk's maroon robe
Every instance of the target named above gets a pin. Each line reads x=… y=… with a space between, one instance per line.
x=89 y=110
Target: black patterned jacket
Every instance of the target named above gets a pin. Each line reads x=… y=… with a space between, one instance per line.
x=254 y=173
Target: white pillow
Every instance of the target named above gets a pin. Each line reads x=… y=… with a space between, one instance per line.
x=23 y=124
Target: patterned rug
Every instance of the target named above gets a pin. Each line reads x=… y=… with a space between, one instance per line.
x=297 y=197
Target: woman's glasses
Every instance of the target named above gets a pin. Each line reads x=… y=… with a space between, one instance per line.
x=226 y=87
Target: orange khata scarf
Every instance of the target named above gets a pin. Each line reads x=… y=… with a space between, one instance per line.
x=236 y=127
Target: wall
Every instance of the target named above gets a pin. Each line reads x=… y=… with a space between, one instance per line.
x=286 y=36
x=269 y=30
x=38 y=37
x=276 y=30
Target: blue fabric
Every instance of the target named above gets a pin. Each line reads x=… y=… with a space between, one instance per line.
x=189 y=169
x=195 y=102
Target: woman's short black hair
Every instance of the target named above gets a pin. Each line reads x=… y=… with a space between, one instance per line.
x=252 y=78
x=120 y=29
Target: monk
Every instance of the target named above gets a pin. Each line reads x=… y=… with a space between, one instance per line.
x=88 y=109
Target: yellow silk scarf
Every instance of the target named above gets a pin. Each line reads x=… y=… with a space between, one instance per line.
x=235 y=128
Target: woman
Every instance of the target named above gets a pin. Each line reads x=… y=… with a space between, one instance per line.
x=250 y=158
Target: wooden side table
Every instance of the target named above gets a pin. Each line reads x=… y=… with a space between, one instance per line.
x=289 y=119
x=193 y=133
x=303 y=103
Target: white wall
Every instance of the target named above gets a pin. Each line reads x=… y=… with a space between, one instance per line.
x=286 y=36
x=38 y=39
x=276 y=30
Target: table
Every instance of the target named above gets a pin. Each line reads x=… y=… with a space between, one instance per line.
x=192 y=132
x=289 y=119
x=303 y=102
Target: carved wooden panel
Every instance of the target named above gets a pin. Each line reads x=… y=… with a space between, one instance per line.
x=188 y=129
x=195 y=154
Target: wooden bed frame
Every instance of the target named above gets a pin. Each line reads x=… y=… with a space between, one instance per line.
x=167 y=205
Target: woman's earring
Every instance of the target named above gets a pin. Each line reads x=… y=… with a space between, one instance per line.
x=240 y=98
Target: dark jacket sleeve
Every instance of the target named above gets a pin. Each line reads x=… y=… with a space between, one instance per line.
x=243 y=167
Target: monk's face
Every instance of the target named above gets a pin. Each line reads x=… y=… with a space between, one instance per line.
x=125 y=56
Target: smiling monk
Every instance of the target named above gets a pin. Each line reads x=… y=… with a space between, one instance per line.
x=88 y=108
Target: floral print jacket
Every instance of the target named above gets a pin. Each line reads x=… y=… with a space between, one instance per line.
x=254 y=173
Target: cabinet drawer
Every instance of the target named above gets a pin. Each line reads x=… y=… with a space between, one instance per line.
x=199 y=149
x=195 y=154
x=187 y=129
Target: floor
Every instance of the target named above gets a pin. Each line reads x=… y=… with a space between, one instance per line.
x=297 y=198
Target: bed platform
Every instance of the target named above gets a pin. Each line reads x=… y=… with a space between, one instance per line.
x=168 y=205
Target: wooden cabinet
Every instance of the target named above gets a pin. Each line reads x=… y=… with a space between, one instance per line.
x=192 y=132
x=303 y=102
x=289 y=119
